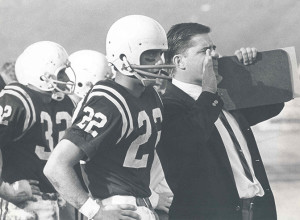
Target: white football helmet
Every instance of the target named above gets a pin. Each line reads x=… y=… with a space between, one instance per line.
x=43 y=65
x=89 y=66
x=128 y=38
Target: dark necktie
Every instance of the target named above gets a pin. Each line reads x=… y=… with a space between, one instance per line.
x=237 y=146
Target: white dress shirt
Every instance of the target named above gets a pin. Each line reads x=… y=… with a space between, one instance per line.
x=245 y=187
x=158 y=183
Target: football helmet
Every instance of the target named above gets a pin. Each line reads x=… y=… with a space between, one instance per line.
x=128 y=38
x=43 y=66
x=89 y=66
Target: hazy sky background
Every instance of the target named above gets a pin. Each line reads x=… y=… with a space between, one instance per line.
x=83 y=24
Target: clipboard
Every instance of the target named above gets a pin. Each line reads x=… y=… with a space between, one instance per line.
x=271 y=79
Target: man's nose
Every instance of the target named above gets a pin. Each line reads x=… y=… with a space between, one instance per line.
x=215 y=54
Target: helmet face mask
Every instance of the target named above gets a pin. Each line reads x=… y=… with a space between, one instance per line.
x=65 y=82
x=131 y=36
x=60 y=81
x=40 y=64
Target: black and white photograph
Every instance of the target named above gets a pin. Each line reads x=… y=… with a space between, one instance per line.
x=149 y=110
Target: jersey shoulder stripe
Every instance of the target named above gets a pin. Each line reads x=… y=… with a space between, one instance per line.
x=118 y=106
x=23 y=96
x=119 y=101
x=123 y=109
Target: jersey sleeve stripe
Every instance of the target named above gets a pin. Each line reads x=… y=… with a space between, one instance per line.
x=27 y=102
x=119 y=107
x=121 y=100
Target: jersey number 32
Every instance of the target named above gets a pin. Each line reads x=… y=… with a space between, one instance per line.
x=46 y=119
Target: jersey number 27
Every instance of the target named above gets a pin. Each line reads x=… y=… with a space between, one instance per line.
x=88 y=124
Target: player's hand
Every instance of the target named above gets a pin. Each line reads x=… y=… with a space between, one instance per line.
x=246 y=55
x=210 y=78
x=19 y=191
x=35 y=190
x=164 y=201
x=116 y=212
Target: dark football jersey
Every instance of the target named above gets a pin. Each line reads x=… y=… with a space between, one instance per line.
x=118 y=132
x=31 y=125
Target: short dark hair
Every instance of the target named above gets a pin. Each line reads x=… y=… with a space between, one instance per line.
x=179 y=36
x=8 y=67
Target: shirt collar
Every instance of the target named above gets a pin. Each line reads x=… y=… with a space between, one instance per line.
x=191 y=89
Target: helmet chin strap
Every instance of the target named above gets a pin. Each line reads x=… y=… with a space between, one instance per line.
x=146 y=82
x=70 y=85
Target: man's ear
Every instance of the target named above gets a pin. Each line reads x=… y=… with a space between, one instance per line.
x=179 y=61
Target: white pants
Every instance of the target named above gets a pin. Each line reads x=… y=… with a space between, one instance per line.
x=144 y=212
x=45 y=209
x=9 y=211
x=41 y=209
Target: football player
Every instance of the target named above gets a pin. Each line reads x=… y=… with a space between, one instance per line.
x=34 y=115
x=90 y=66
x=116 y=128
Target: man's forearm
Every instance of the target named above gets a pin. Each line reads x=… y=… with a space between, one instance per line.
x=67 y=184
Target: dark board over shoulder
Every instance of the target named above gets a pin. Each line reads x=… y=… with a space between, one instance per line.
x=271 y=79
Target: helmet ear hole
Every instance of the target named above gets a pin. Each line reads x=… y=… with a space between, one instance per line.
x=80 y=84
x=89 y=85
x=122 y=56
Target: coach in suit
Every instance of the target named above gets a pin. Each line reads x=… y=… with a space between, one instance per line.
x=209 y=155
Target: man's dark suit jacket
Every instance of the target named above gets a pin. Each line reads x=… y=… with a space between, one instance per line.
x=195 y=161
